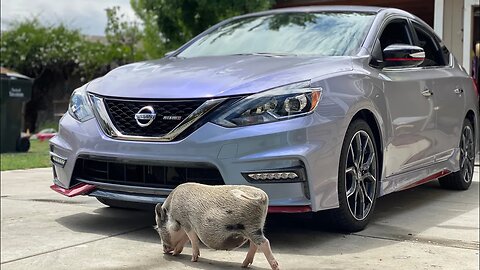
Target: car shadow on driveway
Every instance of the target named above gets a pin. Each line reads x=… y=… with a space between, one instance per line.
x=401 y=216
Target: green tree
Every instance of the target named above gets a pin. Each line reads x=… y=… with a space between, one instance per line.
x=177 y=21
x=60 y=59
x=123 y=36
x=32 y=48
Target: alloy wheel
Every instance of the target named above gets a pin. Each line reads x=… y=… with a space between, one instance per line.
x=467 y=155
x=360 y=175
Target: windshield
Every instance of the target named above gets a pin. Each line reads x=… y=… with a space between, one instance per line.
x=324 y=34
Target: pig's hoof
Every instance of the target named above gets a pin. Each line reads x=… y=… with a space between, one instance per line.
x=274 y=265
x=246 y=263
x=195 y=256
x=177 y=251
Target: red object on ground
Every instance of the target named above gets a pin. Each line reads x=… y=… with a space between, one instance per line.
x=74 y=191
x=289 y=209
x=45 y=136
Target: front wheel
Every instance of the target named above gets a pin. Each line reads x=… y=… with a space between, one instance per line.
x=462 y=179
x=358 y=177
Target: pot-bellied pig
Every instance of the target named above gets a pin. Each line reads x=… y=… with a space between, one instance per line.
x=222 y=217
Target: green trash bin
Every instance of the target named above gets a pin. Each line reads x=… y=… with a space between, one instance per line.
x=16 y=89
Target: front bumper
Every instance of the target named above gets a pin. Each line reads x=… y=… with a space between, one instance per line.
x=311 y=142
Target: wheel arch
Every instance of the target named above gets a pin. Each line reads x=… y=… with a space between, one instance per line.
x=473 y=118
x=369 y=117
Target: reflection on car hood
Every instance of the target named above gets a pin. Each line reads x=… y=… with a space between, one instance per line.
x=212 y=76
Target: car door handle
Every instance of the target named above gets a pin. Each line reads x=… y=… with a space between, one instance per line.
x=458 y=91
x=427 y=92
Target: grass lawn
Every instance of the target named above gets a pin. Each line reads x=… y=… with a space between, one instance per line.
x=36 y=157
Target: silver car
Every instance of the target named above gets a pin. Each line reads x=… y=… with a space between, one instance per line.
x=324 y=108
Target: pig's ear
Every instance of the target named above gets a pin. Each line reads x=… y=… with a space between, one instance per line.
x=164 y=214
x=158 y=209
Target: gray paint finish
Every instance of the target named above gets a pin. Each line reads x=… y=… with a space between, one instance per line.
x=419 y=135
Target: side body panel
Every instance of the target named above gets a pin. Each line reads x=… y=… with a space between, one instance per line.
x=411 y=145
x=450 y=108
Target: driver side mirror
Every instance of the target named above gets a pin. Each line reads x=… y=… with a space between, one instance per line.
x=403 y=55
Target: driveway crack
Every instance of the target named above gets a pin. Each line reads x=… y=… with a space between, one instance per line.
x=430 y=241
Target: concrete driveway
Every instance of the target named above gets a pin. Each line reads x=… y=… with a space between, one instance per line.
x=423 y=228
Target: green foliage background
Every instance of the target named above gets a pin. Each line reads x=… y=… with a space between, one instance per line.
x=34 y=49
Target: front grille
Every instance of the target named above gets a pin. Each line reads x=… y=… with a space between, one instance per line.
x=122 y=114
x=143 y=175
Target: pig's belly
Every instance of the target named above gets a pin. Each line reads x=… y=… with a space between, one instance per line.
x=231 y=242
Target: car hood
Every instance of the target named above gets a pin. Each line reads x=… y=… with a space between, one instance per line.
x=216 y=76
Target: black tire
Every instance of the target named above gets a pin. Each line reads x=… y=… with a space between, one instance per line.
x=357 y=183
x=23 y=144
x=125 y=205
x=462 y=179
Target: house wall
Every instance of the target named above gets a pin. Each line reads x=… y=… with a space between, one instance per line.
x=421 y=8
x=454 y=23
x=452 y=33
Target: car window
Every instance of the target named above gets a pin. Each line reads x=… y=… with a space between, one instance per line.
x=396 y=32
x=433 y=53
x=322 y=34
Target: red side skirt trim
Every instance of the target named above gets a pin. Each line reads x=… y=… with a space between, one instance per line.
x=427 y=179
x=289 y=209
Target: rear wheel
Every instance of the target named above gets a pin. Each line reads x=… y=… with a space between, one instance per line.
x=462 y=179
x=357 y=179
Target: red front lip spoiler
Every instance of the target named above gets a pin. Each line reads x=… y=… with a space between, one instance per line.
x=79 y=189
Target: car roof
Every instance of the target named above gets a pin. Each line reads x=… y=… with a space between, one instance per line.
x=328 y=8
x=331 y=8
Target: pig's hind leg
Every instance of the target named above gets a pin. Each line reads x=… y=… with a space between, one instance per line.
x=250 y=255
x=264 y=245
x=192 y=235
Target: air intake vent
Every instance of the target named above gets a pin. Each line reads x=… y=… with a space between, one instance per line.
x=143 y=175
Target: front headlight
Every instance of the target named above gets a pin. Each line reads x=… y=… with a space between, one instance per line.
x=277 y=104
x=79 y=108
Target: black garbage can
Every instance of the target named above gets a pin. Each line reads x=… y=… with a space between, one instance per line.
x=16 y=89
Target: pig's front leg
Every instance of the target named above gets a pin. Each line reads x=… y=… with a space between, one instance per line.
x=250 y=255
x=179 y=248
x=195 y=245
